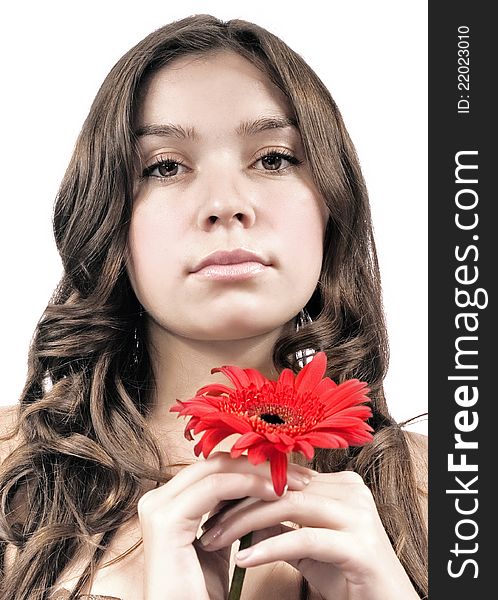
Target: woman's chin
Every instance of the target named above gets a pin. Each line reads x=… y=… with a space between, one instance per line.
x=232 y=329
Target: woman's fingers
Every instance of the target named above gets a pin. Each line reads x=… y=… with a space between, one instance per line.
x=207 y=485
x=231 y=507
x=325 y=574
x=221 y=462
x=175 y=510
x=318 y=544
x=304 y=507
x=330 y=485
x=341 y=486
x=330 y=560
x=202 y=495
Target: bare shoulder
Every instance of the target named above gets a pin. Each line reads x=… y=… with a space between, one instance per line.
x=8 y=419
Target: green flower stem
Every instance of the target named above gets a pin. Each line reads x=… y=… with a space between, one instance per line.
x=239 y=572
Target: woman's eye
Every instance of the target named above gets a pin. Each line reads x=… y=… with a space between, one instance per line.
x=276 y=161
x=163 y=169
x=166 y=168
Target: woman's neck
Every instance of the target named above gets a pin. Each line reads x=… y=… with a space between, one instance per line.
x=181 y=366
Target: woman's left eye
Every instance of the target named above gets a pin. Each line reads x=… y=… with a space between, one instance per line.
x=275 y=160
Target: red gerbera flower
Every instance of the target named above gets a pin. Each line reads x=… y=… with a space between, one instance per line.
x=292 y=414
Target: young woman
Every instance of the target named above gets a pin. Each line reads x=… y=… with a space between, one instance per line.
x=213 y=213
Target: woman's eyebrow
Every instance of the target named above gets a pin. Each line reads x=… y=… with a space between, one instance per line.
x=246 y=128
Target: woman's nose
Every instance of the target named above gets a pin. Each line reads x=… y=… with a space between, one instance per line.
x=225 y=206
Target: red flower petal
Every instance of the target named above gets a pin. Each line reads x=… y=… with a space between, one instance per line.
x=286 y=448
x=236 y=375
x=201 y=426
x=209 y=440
x=258 y=454
x=306 y=448
x=310 y=375
x=324 y=386
x=345 y=394
x=272 y=437
x=199 y=409
x=285 y=379
x=214 y=388
x=361 y=411
x=343 y=422
x=335 y=424
x=178 y=406
x=352 y=436
x=224 y=419
x=325 y=440
x=190 y=426
x=284 y=438
x=246 y=440
x=331 y=409
x=256 y=377
x=278 y=468
x=336 y=421
x=358 y=438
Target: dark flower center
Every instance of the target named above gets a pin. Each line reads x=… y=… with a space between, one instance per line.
x=272 y=419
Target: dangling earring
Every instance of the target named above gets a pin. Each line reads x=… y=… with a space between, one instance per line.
x=136 y=339
x=303 y=357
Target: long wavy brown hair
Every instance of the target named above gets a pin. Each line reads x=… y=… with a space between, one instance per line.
x=85 y=447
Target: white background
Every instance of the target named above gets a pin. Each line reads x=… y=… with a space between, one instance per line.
x=371 y=55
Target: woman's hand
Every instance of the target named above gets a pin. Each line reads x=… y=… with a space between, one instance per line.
x=176 y=566
x=342 y=548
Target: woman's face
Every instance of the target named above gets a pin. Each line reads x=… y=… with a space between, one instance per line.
x=214 y=181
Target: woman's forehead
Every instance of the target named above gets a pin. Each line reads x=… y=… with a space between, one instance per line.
x=222 y=88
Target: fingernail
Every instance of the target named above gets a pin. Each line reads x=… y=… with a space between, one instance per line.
x=209 y=523
x=301 y=471
x=305 y=480
x=243 y=554
x=297 y=478
x=209 y=536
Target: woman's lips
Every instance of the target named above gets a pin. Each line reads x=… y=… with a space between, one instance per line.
x=231 y=272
